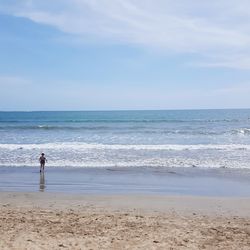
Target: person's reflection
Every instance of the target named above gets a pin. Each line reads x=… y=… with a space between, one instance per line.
x=42 y=182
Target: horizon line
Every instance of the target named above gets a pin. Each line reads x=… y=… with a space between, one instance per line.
x=113 y=110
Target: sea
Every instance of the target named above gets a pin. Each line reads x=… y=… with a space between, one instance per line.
x=164 y=138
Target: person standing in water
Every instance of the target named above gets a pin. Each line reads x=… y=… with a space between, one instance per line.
x=42 y=160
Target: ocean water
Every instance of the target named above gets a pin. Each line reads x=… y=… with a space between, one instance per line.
x=184 y=138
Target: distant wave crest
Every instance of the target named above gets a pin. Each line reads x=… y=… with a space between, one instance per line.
x=125 y=121
x=242 y=131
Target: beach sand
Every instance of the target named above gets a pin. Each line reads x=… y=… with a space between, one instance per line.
x=64 y=221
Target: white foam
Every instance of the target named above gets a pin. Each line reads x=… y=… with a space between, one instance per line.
x=171 y=162
x=84 y=146
x=107 y=155
x=243 y=131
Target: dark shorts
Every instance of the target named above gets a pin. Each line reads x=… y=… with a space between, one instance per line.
x=42 y=162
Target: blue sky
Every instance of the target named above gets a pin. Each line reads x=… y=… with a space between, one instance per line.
x=114 y=54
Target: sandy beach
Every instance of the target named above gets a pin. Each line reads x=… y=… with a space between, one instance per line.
x=63 y=221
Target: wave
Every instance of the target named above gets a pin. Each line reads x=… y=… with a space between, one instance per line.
x=52 y=127
x=123 y=129
x=93 y=146
x=242 y=131
x=119 y=155
x=121 y=161
x=129 y=129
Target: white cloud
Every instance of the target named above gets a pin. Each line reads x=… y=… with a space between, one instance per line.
x=219 y=29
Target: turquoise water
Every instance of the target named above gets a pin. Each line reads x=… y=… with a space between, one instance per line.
x=184 y=138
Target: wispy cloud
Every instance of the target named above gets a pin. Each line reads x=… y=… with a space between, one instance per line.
x=219 y=30
x=237 y=89
x=13 y=81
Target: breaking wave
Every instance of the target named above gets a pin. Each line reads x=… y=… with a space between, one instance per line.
x=83 y=146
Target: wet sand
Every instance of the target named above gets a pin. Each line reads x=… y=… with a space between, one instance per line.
x=143 y=180
x=64 y=221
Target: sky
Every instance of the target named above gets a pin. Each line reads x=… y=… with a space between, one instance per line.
x=117 y=54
